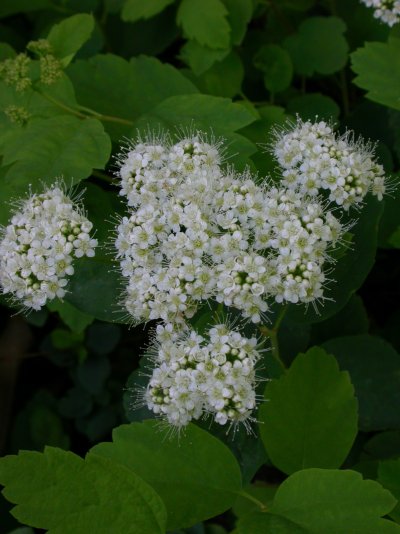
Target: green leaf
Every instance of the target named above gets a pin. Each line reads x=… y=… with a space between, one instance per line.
x=67 y=37
x=113 y=86
x=134 y=10
x=205 y=21
x=348 y=273
x=377 y=66
x=10 y=7
x=76 y=320
x=276 y=65
x=316 y=501
x=389 y=477
x=263 y=492
x=223 y=78
x=200 y=58
x=374 y=368
x=55 y=147
x=239 y=15
x=309 y=418
x=319 y=46
x=384 y=446
x=310 y=105
x=206 y=113
x=194 y=473
x=63 y=493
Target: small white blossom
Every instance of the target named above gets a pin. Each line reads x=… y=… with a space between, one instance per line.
x=388 y=11
x=37 y=248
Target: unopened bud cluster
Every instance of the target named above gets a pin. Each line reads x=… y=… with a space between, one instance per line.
x=196 y=375
x=39 y=245
x=315 y=160
x=388 y=11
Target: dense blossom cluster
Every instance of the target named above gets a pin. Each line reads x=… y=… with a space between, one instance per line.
x=196 y=233
x=388 y=11
x=314 y=158
x=38 y=247
x=196 y=375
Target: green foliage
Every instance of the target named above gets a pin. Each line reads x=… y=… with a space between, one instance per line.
x=315 y=501
x=319 y=46
x=199 y=463
x=309 y=418
x=67 y=37
x=374 y=368
x=276 y=65
x=134 y=10
x=377 y=66
x=79 y=493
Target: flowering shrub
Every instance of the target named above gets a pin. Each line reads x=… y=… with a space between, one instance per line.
x=200 y=334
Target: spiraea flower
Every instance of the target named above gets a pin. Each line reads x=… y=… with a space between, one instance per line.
x=39 y=245
x=197 y=232
x=197 y=375
x=314 y=159
x=388 y=11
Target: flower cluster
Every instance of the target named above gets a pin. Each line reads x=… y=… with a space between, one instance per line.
x=195 y=233
x=38 y=247
x=196 y=375
x=315 y=159
x=388 y=11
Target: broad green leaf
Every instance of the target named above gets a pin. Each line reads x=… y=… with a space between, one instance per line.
x=200 y=58
x=194 y=473
x=67 y=37
x=309 y=418
x=113 y=86
x=276 y=65
x=134 y=10
x=62 y=493
x=316 y=501
x=384 y=445
x=76 y=320
x=374 y=368
x=389 y=477
x=61 y=146
x=310 y=105
x=224 y=78
x=349 y=273
x=263 y=492
x=239 y=15
x=207 y=113
x=377 y=66
x=205 y=21
x=319 y=46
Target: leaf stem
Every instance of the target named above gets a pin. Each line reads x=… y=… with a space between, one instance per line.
x=272 y=334
x=103 y=176
x=260 y=504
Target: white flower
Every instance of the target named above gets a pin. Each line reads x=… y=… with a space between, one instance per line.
x=388 y=11
x=38 y=246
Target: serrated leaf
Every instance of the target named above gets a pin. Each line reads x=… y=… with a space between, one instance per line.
x=377 y=66
x=274 y=61
x=205 y=21
x=134 y=10
x=309 y=418
x=113 y=86
x=374 y=368
x=200 y=58
x=319 y=46
x=316 y=501
x=58 y=146
x=178 y=468
x=61 y=492
x=75 y=319
x=239 y=15
x=389 y=477
x=206 y=113
x=67 y=37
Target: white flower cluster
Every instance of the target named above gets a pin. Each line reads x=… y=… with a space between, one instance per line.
x=388 y=11
x=196 y=233
x=38 y=247
x=195 y=375
x=314 y=158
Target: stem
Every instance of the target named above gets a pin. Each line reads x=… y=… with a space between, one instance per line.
x=272 y=334
x=103 y=176
x=88 y=111
x=253 y=499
